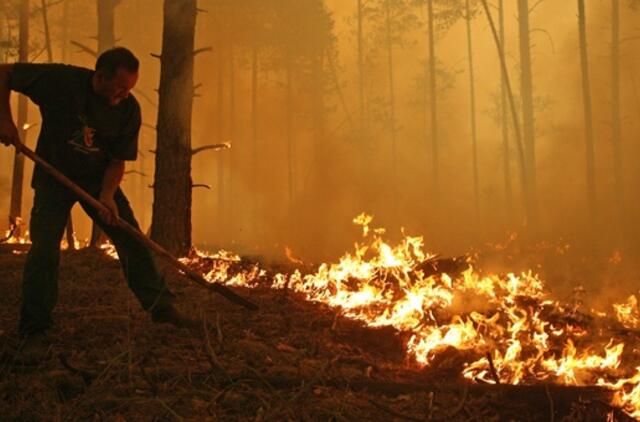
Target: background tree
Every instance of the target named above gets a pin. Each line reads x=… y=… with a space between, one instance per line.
x=588 y=108
x=15 y=212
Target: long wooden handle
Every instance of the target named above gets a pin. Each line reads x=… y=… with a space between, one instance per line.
x=136 y=233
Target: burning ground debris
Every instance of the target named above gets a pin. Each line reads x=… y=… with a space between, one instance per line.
x=505 y=327
x=388 y=331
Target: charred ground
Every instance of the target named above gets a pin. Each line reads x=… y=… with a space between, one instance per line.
x=292 y=360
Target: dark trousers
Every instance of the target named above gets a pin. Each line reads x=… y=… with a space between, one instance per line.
x=49 y=217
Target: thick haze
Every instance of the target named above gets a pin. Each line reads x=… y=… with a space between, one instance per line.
x=334 y=177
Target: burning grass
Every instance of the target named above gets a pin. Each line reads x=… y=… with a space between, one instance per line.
x=388 y=330
x=505 y=325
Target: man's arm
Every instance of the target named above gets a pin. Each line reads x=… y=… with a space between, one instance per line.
x=110 y=183
x=8 y=130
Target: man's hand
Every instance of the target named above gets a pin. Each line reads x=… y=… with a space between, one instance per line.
x=8 y=132
x=110 y=215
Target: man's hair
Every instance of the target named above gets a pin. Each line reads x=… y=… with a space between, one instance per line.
x=115 y=58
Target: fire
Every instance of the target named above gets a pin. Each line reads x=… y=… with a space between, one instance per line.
x=505 y=325
x=627 y=313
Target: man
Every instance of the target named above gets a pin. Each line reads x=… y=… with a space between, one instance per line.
x=90 y=125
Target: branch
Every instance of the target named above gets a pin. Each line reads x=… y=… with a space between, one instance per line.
x=535 y=6
x=135 y=172
x=202 y=50
x=157 y=56
x=625 y=39
x=200 y=185
x=214 y=147
x=544 y=31
x=85 y=49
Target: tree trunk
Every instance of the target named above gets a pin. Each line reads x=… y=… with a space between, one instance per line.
x=433 y=90
x=474 y=135
x=65 y=31
x=361 y=71
x=106 y=40
x=588 y=110
x=526 y=80
x=171 y=226
x=317 y=103
x=47 y=34
x=15 y=211
x=232 y=132
x=392 y=105
x=289 y=127
x=106 y=24
x=508 y=190
x=47 y=37
x=221 y=221
x=254 y=110
x=615 y=109
x=514 y=113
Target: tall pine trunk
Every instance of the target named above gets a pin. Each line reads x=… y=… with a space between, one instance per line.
x=616 y=123
x=65 y=31
x=289 y=127
x=392 y=104
x=472 y=98
x=361 y=101
x=588 y=109
x=526 y=81
x=220 y=162
x=522 y=165
x=106 y=40
x=171 y=226
x=106 y=24
x=15 y=210
x=433 y=91
x=506 y=154
x=232 y=131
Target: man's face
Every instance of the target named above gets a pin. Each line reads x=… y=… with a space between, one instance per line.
x=117 y=87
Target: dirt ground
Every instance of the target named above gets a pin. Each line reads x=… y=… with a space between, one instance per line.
x=291 y=360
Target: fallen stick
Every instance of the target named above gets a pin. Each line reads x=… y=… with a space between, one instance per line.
x=136 y=233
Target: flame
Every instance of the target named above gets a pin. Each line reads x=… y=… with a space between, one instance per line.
x=504 y=325
x=627 y=313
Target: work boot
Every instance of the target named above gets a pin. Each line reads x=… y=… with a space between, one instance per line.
x=34 y=347
x=170 y=315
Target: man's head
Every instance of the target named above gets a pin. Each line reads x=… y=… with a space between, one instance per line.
x=116 y=74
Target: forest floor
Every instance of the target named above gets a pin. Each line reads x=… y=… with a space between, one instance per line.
x=291 y=360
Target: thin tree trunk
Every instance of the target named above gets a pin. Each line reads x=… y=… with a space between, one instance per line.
x=15 y=212
x=171 y=226
x=474 y=134
x=221 y=223
x=514 y=113
x=433 y=90
x=615 y=108
x=232 y=130
x=106 y=40
x=47 y=37
x=508 y=190
x=361 y=70
x=254 y=109
x=65 y=31
x=289 y=127
x=47 y=34
x=392 y=104
x=588 y=109
x=526 y=81
x=106 y=24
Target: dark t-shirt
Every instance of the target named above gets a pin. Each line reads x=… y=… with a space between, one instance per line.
x=80 y=131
